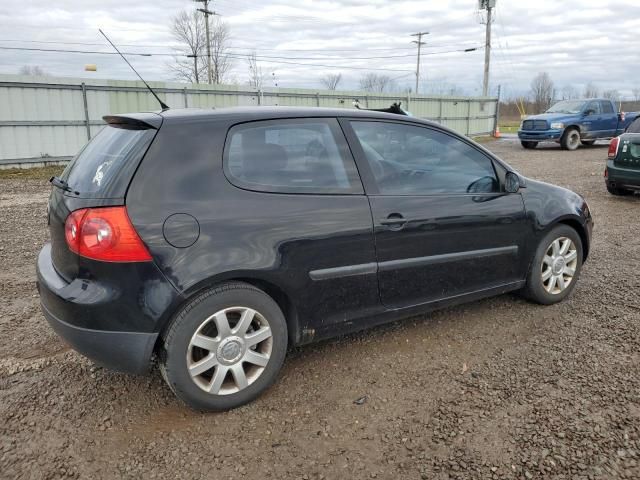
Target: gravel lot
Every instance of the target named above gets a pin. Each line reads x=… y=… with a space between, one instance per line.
x=495 y=389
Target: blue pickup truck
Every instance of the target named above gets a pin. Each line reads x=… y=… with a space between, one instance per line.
x=572 y=122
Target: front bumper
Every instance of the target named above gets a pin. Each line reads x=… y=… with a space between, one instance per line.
x=618 y=177
x=539 y=135
x=114 y=321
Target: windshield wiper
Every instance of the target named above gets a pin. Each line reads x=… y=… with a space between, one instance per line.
x=62 y=185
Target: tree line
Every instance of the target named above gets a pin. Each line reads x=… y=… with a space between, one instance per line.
x=544 y=93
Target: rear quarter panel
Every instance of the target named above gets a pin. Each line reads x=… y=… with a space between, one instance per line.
x=270 y=240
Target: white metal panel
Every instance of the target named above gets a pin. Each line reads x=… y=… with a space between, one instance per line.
x=60 y=101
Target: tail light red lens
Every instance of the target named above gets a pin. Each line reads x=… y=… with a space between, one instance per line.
x=104 y=234
x=613 y=147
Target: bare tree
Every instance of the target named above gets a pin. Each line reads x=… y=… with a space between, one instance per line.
x=636 y=93
x=256 y=75
x=331 y=80
x=613 y=95
x=188 y=29
x=220 y=61
x=373 y=82
x=569 y=92
x=591 y=91
x=542 y=91
x=33 y=70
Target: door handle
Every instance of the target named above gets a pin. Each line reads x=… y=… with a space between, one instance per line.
x=394 y=221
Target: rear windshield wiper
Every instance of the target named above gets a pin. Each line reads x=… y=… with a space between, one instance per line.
x=61 y=184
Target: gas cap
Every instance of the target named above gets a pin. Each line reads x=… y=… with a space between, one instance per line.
x=181 y=230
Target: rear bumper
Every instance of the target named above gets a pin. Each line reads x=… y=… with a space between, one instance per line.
x=539 y=135
x=128 y=352
x=618 y=177
x=114 y=321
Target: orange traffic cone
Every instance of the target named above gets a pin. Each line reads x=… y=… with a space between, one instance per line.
x=496 y=134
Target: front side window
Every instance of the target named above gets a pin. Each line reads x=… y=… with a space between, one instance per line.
x=593 y=108
x=412 y=160
x=291 y=156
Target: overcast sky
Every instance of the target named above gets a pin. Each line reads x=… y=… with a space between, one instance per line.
x=575 y=42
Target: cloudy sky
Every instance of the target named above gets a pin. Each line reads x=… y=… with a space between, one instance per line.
x=297 y=41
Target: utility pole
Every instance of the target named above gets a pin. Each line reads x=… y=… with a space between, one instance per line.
x=487 y=5
x=419 y=42
x=206 y=13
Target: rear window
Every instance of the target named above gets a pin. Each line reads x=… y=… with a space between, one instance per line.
x=291 y=156
x=606 y=107
x=105 y=165
x=634 y=127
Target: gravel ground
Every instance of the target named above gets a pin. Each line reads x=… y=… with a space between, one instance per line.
x=495 y=389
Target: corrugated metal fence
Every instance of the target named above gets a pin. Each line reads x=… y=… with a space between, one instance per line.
x=45 y=119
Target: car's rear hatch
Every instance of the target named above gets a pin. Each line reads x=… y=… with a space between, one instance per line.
x=98 y=176
x=629 y=151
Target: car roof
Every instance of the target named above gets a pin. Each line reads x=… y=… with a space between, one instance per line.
x=275 y=112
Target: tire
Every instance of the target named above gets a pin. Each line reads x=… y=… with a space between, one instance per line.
x=528 y=144
x=570 y=139
x=621 y=192
x=224 y=351
x=588 y=142
x=537 y=288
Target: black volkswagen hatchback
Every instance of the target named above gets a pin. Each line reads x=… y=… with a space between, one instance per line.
x=216 y=238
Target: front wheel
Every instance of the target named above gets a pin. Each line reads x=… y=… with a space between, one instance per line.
x=224 y=348
x=556 y=266
x=529 y=144
x=571 y=139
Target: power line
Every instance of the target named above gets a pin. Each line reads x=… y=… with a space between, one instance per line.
x=264 y=58
x=251 y=49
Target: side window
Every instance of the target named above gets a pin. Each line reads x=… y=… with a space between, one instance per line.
x=595 y=106
x=606 y=107
x=305 y=155
x=412 y=160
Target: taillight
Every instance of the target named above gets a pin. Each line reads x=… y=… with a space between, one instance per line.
x=104 y=234
x=613 y=147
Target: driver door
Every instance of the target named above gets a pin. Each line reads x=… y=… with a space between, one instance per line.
x=443 y=226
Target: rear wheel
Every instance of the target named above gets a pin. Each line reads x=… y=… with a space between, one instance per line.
x=556 y=266
x=571 y=139
x=618 y=191
x=224 y=348
x=528 y=144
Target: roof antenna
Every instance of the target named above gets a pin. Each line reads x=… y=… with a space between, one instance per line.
x=163 y=105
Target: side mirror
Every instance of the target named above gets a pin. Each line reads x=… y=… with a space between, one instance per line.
x=512 y=182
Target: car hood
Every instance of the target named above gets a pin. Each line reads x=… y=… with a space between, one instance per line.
x=552 y=117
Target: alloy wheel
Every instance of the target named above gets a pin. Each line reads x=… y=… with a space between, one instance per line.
x=574 y=140
x=229 y=350
x=559 y=265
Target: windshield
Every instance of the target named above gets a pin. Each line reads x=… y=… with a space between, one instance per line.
x=567 y=106
x=111 y=152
